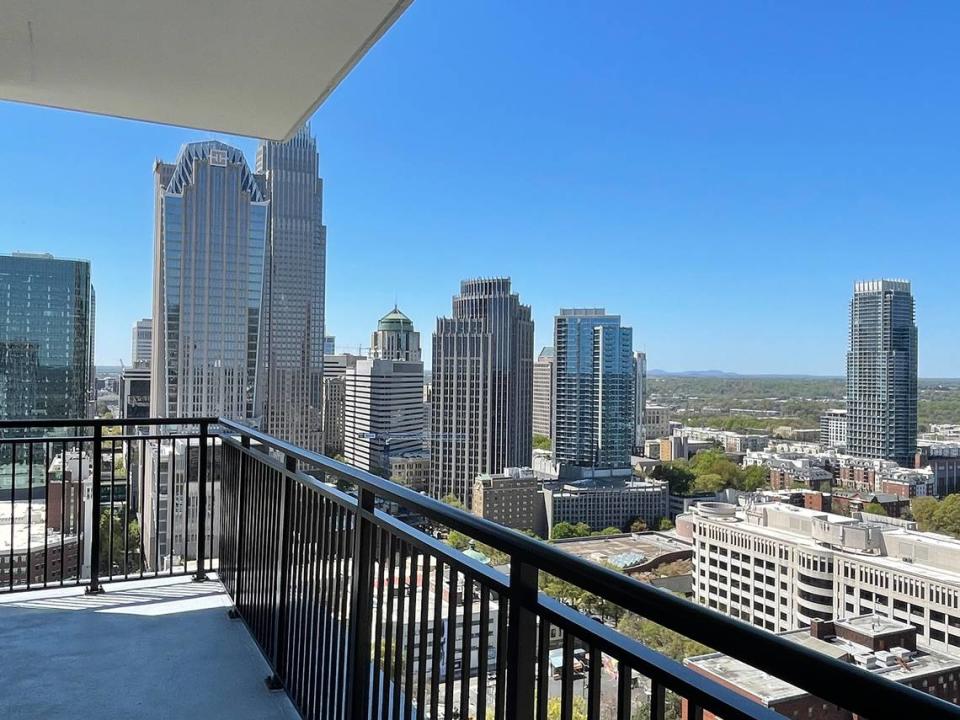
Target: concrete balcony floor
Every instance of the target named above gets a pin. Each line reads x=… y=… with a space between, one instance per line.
x=144 y=649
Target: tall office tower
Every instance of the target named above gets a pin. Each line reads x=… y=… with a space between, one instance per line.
x=46 y=337
x=329 y=345
x=594 y=420
x=334 y=400
x=395 y=338
x=640 y=393
x=141 y=343
x=882 y=372
x=543 y=376
x=209 y=249
x=293 y=314
x=482 y=385
x=383 y=408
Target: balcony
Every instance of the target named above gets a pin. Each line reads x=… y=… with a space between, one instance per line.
x=165 y=569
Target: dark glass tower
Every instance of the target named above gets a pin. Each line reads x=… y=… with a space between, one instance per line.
x=595 y=409
x=46 y=337
x=294 y=298
x=882 y=372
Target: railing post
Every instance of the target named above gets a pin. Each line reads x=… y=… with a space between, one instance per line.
x=361 y=610
x=275 y=681
x=238 y=555
x=202 y=471
x=94 y=586
x=521 y=640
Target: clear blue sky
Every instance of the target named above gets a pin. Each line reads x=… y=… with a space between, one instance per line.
x=717 y=173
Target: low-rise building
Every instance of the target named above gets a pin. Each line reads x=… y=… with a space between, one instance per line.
x=411 y=470
x=942 y=457
x=875 y=643
x=508 y=498
x=602 y=503
x=730 y=441
x=31 y=550
x=656 y=422
x=780 y=567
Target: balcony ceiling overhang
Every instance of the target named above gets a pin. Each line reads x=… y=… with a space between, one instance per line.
x=236 y=66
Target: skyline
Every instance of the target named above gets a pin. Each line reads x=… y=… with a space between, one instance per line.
x=739 y=240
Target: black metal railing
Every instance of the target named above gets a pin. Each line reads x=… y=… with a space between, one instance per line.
x=97 y=500
x=363 y=616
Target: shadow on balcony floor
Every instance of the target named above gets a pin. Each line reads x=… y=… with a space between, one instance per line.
x=149 y=649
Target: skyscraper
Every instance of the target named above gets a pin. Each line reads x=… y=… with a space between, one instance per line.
x=595 y=398
x=209 y=250
x=640 y=393
x=141 y=343
x=482 y=387
x=543 y=377
x=46 y=337
x=395 y=338
x=882 y=372
x=293 y=317
x=383 y=408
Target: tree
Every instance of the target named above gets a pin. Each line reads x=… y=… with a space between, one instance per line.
x=946 y=519
x=609 y=531
x=656 y=637
x=541 y=442
x=579 y=710
x=567 y=530
x=457 y=540
x=923 y=510
x=676 y=475
x=754 y=478
x=125 y=555
x=452 y=501
x=665 y=524
x=709 y=483
x=874 y=508
x=638 y=525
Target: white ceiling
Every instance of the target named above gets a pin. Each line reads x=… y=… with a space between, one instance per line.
x=246 y=67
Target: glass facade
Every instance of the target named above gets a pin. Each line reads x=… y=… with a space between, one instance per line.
x=293 y=324
x=595 y=390
x=209 y=283
x=46 y=337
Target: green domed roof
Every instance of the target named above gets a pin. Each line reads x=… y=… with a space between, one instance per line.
x=395 y=320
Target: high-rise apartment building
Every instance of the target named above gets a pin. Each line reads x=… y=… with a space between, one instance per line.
x=293 y=316
x=482 y=387
x=141 y=343
x=595 y=411
x=46 y=337
x=833 y=429
x=882 y=372
x=395 y=338
x=209 y=251
x=640 y=393
x=543 y=379
x=383 y=406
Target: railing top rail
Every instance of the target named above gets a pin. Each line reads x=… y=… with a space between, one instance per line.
x=100 y=422
x=841 y=683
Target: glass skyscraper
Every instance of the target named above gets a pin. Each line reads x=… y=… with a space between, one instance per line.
x=594 y=415
x=46 y=337
x=882 y=372
x=209 y=254
x=293 y=337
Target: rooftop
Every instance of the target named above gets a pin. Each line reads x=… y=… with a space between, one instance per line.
x=641 y=547
x=771 y=690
